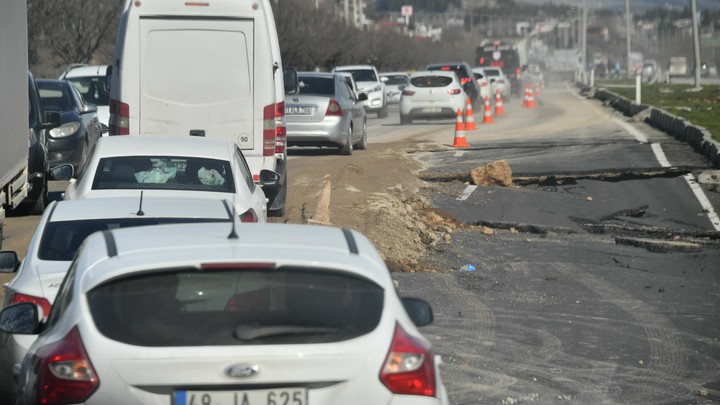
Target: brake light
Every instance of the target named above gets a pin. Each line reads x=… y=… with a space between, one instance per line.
x=517 y=71
x=334 y=108
x=409 y=366
x=119 y=118
x=445 y=68
x=482 y=60
x=249 y=216
x=408 y=93
x=65 y=373
x=269 y=128
x=17 y=298
x=454 y=91
x=280 y=131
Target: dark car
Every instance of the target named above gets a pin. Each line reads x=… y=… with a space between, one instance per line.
x=80 y=126
x=464 y=73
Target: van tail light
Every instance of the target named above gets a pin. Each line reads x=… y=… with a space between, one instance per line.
x=408 y=93
x=334 y=108
x=119 y=118
x=64 y=372
x=17 y=298
x=280 y=131
x=249 y=216
x=454 y=91
x=269 y=127
x=409 y=367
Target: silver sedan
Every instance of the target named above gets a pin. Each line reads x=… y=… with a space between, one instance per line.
x=326 y=113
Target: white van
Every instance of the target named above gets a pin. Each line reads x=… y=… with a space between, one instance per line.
x=207 y=68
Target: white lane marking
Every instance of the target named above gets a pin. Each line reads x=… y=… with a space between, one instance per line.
x=459 y=153
x=466 y=194
x=634 y=132
x=704 y=202
x=660 y=155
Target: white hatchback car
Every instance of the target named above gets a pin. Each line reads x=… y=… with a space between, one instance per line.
x=432 y=95
x=368 y=81
x=214 y=314
x=497 y=80
x=62 y=228
x=173 y=166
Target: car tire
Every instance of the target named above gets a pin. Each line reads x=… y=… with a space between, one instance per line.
x=362 y=144
x=37 y=207
x=405 y=119
x=347 y=149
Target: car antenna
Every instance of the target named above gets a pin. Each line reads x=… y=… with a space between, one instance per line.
x=233 y=234
x=140 y=211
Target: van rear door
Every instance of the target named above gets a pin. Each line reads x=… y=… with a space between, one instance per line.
x=196 y=78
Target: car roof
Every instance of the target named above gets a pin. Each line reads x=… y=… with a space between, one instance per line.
x=354 y=67
x=130 y=207
x=128 y=250
x=394 y=74
x=83 y=71
x=161 y=145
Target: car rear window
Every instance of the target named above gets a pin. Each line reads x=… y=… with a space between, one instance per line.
x=324 y=86
x=236 y=306
x=458 y=69
x=431 y=81
x=492 y=72
x=164 y=173
x=93 y=88
x=61 y=239
x=362 y=75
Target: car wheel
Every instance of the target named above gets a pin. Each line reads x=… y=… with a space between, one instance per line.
x=38 y=206
x=405 y=119
x=362 y=145
x=383 y=111
x=347 y=149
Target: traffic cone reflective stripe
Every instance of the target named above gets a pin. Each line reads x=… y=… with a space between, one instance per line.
x=469 y=118
x=499 y=109
x=487 y=114
x=460 y=141
x=525 y=97
x=531 y=98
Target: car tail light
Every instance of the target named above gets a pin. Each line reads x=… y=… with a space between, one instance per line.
x=408 y=93
x=482 y=60
x=64 y=372
x=483 y=84
x=119 y=118
x=249 y=216
x=16 y=298
x=280 y=134
x=269 y=128
x=454 y=91
x=517 y=72
x=334 y=108
x=409 y=367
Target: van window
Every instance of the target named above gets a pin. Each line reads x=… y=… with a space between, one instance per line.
x=225 y=51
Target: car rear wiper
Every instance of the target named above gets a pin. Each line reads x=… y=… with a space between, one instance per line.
x=252 y=332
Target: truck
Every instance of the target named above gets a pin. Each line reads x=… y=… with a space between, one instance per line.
x=507 y=55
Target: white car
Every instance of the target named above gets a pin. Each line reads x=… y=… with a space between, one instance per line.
x=435 y=94
x=498 y=81
x=483 y=81
x=62 y=228
x=368 y=81
x=395 y=82
x=172 y=166
x=92 y=82
x=214 y=314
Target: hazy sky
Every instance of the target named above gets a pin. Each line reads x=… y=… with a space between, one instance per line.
x=635 y=5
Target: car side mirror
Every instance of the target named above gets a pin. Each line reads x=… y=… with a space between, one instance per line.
x=419 y=311
x=290 y=78
x=23 y=319
x=62 y=172
x=52 y=120
x=362 y=97
x=89 y=108
x=108 y=78
x=9 y=262
x=268 y=178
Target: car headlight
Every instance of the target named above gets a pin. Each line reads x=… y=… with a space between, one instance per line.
x=65 y=130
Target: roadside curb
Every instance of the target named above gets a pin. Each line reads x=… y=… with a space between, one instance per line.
x=681 y=129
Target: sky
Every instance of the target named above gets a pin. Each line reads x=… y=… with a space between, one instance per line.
x=635 y=5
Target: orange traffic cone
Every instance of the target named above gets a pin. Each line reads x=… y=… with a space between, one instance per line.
x=525 y=97
x=487 y=114
x=460 y=141
x=531 y=98
x=499 y=109
x=469 y=118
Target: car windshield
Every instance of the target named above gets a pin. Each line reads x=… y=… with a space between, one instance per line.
x=93 y=89
x=61 y=239
x=431 y=81
x=324 y=86
x=54 y=97
x=164 y=173
x=396 y=79
x=236 y=306
x=363 y=75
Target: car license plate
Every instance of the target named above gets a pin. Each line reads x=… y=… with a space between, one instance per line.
x=298 y=110
x=432 y=110
x=277 y=396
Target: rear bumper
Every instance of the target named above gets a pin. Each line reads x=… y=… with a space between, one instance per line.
x=330 y=132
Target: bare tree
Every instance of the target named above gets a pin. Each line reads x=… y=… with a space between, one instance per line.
x=71 y=30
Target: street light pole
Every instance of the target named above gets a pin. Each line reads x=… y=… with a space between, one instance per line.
x=696 y=43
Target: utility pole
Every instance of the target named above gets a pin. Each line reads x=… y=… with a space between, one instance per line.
x=696 y=43
x=627 y=29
